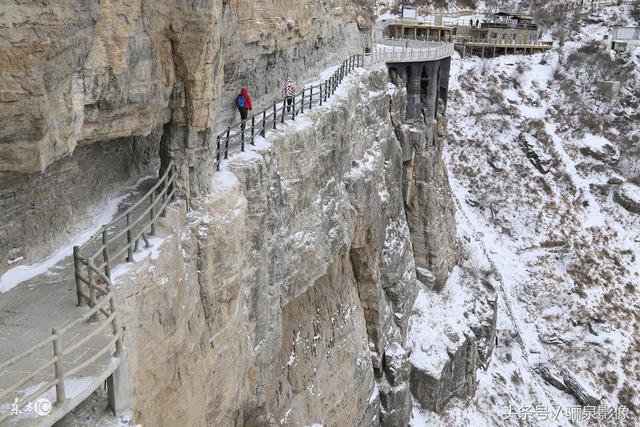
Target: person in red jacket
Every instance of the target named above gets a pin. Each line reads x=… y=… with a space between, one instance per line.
x=243 y=102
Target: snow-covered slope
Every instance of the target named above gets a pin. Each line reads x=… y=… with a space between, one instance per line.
x=537 y=156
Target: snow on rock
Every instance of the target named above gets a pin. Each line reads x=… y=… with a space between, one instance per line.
x=565 y=253
x=599 y=148
x=22 y=273
x=446 y=349
x=628 y=196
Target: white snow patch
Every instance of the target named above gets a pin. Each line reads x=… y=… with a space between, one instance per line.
x=13 y=277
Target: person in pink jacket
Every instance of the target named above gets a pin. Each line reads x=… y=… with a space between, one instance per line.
x=289 y=92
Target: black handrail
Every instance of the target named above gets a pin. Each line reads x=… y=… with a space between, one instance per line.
x=238 y=134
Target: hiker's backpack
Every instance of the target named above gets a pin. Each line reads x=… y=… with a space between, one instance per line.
x=241 y=102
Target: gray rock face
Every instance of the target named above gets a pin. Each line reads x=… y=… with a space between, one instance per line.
x=430 y=210
x=452 y=335
x=294 y=278
x=458 y=378
x=428 y=204
x=41 y=212
x=118 y=73
x=628 y=196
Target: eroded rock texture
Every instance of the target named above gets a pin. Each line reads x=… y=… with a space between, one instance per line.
x=101 y=72
x=286 y=299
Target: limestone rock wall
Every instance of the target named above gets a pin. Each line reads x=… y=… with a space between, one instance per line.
x=79 y=73
x=75 y=74
x=99 y=70
x=40 y=212
x=285 y=298
x=427 y=195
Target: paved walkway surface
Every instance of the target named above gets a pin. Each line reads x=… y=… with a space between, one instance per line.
x=28 y=313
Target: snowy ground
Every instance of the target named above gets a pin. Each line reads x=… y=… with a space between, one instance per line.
x=535 y=154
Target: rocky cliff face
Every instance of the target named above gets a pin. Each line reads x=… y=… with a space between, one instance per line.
x=77 y=74
x=151 y=74
x=286 y=298
x=285 y=292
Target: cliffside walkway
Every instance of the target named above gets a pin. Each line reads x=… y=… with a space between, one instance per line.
x=238 y=135
x=45 y=373
x=571 y=5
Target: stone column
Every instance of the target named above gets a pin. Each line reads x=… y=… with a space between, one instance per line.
x=443 y=80
x=119 y=388
x=429 y=105
x=414 y=74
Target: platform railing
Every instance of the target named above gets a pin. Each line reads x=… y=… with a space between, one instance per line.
x=433 y=52
x=60 y=351
x=118 y=240
x=502 y=42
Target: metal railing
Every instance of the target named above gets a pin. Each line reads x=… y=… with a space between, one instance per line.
x=419 y=43
x=245 y=131
x=434 y=52
x=502 y=42
x=119 y=239
x=106 y=307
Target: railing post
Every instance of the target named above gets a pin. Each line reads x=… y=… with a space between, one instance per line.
x=226 y=144
x=320 y=94
x=217 y=154
x=105 y=252
x=283 y=107
x=302 y=103
x=77 y=265
x=129 y=239
x=92 y=284
x=153 y=213
x=275 y=114
x=115 y=327
x=165 y=190
x=264 y=123
x=311 y=98
x=242 y=127
x=58 y=368
x=253 y=128
x=293 y=112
